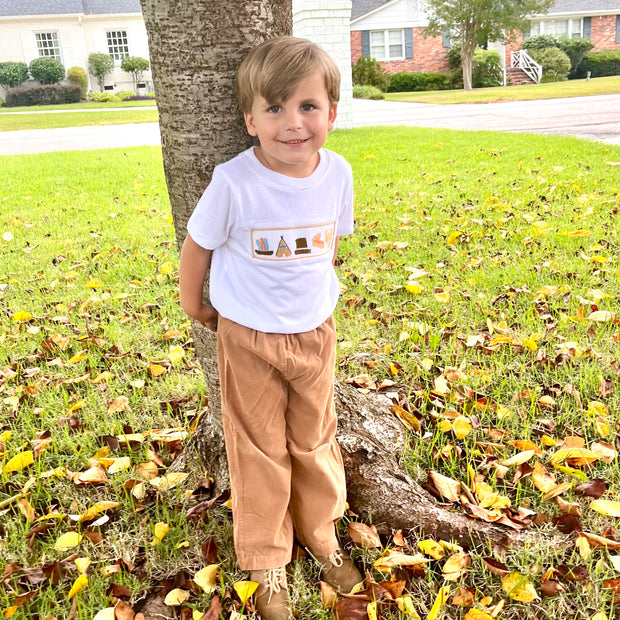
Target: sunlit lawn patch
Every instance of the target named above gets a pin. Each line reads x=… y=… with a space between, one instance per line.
x=480 y=289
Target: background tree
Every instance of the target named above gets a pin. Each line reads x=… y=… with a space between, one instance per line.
x=474 y=22
x=47 y=70
x=195 y=49
x=136 y=66
x=13 y=73
x=100 y=65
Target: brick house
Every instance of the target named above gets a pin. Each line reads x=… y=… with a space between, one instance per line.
x=391 y=31
x=69 y=30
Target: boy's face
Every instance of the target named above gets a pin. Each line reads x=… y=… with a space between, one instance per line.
x=291 y=132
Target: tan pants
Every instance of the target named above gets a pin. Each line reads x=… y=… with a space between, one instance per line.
x=279 y=425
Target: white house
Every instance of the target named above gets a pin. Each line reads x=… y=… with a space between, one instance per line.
x=70 y=30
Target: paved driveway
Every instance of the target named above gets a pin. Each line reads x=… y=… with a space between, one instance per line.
x=595 y=118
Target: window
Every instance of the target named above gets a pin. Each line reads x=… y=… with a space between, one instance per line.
x=48 y=44
x=557 y=27
x=118 y=47
x=387 y=44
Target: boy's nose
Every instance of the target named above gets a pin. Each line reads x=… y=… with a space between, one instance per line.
x=293 y=120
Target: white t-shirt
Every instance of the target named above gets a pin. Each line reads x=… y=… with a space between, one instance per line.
x=273 y=239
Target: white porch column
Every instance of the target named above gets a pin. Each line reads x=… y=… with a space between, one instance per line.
x=327 y=23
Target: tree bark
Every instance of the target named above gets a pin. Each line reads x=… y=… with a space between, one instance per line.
x=195 y=48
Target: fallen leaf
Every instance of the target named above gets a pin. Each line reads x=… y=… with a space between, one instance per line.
x=169 y=481
x=206 y=578
x=245 y=589
x=575 y=457
x=95 y=510
x=159 y=532
x=78 y=585
x=461 y=427
x=395 y=558
x=175 y=597
x=594 y=488
x=67 y=541
x=519 y=458
x=448 y=488
x=19 y=461
x=606 y=507
x=364 y=535
x=477 y=614
x=432 y=548
x=439 y=604
x=542 y=479
x=519 y=587
x=105 y=614
x=456 y=566
x=601 y=316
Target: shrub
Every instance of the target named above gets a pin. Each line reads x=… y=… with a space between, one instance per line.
x=486 y=68
x=554 y=62
x=13 y=73
x=150 y=94
x=1 y=102
x=540 y=42
x=77 y=75
x=600 y=63
x=47 y=70
x=576 y=50
x=367 y=92
x=135 y=66
x=125 y=94
x=369 y=72
x=42 y=94
x=408 y=82
x=99 y=97
x=140 y=98
x=100 y=65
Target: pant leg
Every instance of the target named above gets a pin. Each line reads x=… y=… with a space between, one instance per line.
x=318 y=480
x=254 y=401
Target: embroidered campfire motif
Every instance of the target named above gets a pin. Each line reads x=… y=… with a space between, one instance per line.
x=307 y=241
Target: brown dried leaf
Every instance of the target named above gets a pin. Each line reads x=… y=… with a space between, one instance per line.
x=364 y=535
x=594 y=488
x=448 y=488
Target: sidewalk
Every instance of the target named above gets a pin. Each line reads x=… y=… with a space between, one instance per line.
x=593 y=118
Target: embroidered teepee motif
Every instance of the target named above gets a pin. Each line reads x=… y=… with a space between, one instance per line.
x=283 y=249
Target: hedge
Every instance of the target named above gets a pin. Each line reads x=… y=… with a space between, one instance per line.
x=600 y=63
x=406 y=81
x=42 y=94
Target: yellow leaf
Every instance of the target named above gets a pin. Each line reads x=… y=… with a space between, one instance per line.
x=414 y=289
x=97 y=509
x=94 y=283
x=601 y=316
x=405 y=604
x=439 y=604
x=206 y=578
x=22 y=316
x=615 y=562
x=19 y=461
x=113 y=466
x=176 y=354
x=176 y=597
x=445 y=426
x=78 y=357
x=576 y=233
x=432 y=548
x=443 y=298
x=67 y=541
x=581 y=455
x=606 y=507
x=119 y=404
x=477 y=614
x=82 y=564
x=245 y=589
x=461 y=427
x=169 y=481
x=448 y=488
x=157 y=370
x=198 y=615
x=529 y=343
x=394 y=558
x=452 y=239
x=456 y=566
x=159 y=531
x=519 y=458
x=519 y=587
x=371 y=610
x=542 y=479
x=78 y=585
x=105 y=614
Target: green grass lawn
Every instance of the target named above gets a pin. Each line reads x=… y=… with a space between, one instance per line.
x=480 y=289
x=14 y=122
x=553 y=90
x=86 y=105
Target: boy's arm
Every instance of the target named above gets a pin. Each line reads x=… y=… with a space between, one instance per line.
x=193 y=268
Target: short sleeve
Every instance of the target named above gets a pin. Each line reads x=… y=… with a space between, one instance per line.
x=210 y=223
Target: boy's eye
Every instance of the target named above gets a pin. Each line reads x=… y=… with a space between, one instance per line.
x=274 y=109
x=307 y=107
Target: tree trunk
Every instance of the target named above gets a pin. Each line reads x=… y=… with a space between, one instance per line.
x=195 y=48
x=468 y=47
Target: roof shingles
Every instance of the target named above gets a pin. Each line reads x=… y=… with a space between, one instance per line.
x=68 y=7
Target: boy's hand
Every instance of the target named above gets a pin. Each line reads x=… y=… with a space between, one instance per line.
x=207 y=317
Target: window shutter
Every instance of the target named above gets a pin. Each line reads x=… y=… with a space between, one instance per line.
x=617 y=28
x=587 y=27
x=446 y=38
x=365 y=42
x=408 y=42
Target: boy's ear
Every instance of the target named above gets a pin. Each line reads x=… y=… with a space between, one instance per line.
x=331 y=119
x=249 y=123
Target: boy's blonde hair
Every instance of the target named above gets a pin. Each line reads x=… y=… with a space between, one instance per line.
x=275 y=68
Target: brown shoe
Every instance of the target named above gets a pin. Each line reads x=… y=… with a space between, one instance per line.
x=339 y=571
x=271 y=599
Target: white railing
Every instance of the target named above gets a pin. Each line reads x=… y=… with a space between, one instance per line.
x=522 y=60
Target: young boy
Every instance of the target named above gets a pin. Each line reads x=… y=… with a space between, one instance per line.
x=267 y=229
